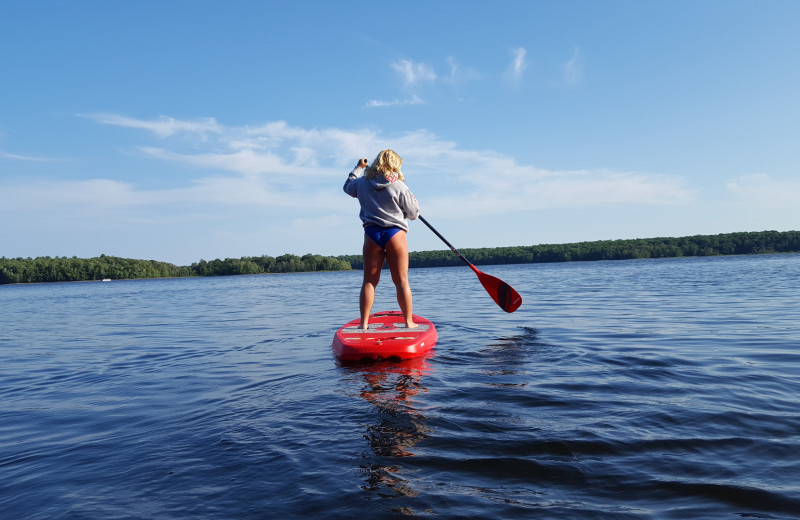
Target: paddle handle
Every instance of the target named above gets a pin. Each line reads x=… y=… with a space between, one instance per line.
x=453 y=249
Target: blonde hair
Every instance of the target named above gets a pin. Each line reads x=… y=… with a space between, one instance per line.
x=386 y=162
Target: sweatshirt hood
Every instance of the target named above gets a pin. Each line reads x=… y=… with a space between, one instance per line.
x=380 y=182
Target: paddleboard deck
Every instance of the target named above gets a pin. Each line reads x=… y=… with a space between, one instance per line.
x=386 y=338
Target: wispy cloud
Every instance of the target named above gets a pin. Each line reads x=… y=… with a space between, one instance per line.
x=417 y=76
x=763 y=191
x=459 y=74
x=276 y=174
x=273 y=163
x=271 y=148
x=532 y=188
x=413 y=100
x=162 y=127
x=414 y=73
x=27 y=158
x=518 y=65
x=573 y=68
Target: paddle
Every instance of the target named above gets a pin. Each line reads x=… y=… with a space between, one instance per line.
x=503 y=294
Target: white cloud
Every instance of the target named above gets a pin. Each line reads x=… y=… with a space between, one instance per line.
x=51 y=194
x=413 y=73
x=27 y=158
x=296 y=173
x=246 y=161
x=162 y=127
x=518 y=65
x=274 y=148
x=416 y=75
x=573 y=69
x=458 y=74
x=413 y=100
x=763 y=191
x=274 y=176
x=275 y=162
x=531 y=188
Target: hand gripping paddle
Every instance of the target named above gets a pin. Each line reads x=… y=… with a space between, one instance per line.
x=503 y=294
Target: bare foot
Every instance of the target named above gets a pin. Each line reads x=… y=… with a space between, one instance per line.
x=364 y=326
x=411 y=325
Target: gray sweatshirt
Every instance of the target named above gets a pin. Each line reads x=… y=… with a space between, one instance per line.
x=384 y=202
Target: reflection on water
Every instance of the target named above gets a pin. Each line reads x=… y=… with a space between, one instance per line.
x=507 y=357
x=392 y=389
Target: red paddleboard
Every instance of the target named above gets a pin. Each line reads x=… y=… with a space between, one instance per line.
x=386 y=338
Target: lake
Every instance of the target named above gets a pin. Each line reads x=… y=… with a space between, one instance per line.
x=629 y=389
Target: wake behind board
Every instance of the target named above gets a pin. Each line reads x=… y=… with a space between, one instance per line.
x=386 y=338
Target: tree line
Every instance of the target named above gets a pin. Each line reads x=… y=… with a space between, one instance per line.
x=63 y=269
x=268 y=265
x=743 y=243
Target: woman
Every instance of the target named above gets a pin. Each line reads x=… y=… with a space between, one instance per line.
x=386 y=203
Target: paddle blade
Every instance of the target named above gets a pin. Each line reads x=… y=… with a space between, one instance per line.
x=503 y=294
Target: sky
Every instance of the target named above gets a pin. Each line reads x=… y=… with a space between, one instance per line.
x=188 y=130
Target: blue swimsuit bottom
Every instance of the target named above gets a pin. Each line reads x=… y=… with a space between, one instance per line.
x=381 y=235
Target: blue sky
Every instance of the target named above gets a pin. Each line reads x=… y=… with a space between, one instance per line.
x=185 y=130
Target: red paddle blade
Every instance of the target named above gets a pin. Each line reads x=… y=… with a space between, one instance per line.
x=503 y=294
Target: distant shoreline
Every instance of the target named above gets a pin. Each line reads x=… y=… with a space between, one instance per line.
x=63 y=269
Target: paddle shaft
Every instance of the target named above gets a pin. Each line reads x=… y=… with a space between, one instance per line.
x=445 y=241
x=503 y=294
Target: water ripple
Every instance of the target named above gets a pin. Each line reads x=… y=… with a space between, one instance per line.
x=642 y=389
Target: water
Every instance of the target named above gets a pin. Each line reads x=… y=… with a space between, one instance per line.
x=629 y=389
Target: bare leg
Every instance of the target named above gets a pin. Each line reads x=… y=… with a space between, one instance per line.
x=397 y=258
x=373 y=263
